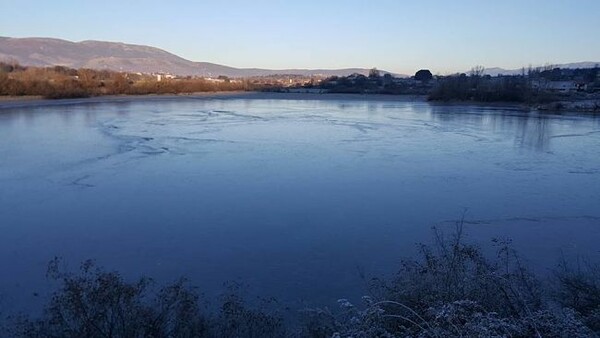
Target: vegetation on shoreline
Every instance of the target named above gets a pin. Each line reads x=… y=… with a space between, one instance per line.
x=450 y=290
x=61 y=82
x=375 y=83
x=546 y=88
x=534 y=86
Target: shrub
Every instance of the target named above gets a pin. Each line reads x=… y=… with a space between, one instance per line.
x=578 y=288
x=235 y=319
x=97 y=303
x=450 y=290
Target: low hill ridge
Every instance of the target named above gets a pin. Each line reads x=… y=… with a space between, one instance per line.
x=131 y=58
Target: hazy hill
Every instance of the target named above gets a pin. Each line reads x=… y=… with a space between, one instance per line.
x=130 y=58
x=496 y=71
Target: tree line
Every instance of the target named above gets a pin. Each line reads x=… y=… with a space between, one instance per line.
x=533 y=85
x=63 y=82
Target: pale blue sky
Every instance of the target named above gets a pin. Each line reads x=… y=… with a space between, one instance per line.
x=395 y=35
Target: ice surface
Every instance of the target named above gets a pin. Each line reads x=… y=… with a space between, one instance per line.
x=291 y=196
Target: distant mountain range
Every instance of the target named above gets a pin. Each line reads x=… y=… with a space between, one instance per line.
x=131 y=58
x=145 y=59
x=496 y=71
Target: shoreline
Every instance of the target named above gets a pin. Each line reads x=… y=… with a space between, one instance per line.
x=12 y=102
x=40 y=101
x=7 y=102
x=555 y=107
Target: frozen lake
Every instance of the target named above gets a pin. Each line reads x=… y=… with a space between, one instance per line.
x=296 y=198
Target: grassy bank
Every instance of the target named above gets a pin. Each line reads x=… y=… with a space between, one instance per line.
x=450 y=290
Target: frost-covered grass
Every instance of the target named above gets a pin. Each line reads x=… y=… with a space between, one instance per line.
x=450 y=290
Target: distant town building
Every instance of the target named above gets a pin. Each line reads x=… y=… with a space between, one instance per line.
x=555 y=86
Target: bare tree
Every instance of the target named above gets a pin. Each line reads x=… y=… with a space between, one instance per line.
x=374 y=73
x=477 y=71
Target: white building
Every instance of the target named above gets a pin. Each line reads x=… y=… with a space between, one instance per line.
x=554 y=86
